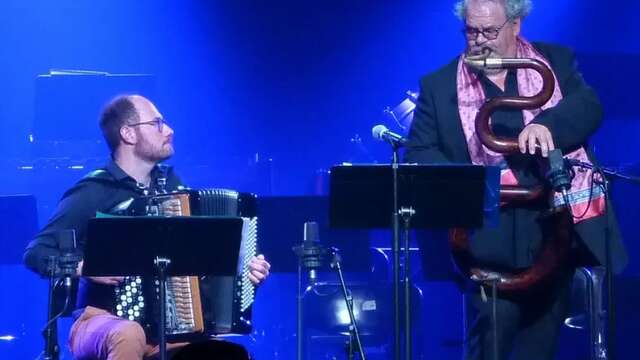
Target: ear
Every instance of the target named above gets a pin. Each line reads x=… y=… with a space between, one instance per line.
x=517 y=22
x=128 y=135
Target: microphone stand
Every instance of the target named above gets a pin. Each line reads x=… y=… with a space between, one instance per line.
x=396 y=142
x=406 y=214
x=309 y=255
x=50 y=331
x=300 y=320
x=65 y=266
x=607 y=171
x=348 y=299
x=610 y=352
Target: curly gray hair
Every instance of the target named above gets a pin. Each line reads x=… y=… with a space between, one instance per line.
x=514 y=8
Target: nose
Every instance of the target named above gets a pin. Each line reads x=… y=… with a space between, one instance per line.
x=167 y=130
x=480 y=39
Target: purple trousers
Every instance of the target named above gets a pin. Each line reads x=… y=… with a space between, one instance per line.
x=98 y=334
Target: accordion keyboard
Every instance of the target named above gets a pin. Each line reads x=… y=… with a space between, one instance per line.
x=206 y=305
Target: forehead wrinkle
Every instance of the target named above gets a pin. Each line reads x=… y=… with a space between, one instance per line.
x=485 y=14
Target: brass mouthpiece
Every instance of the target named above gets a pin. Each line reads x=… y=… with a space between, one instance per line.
x=483 y=61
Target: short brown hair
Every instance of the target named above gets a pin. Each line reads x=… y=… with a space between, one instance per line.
x=118 y=112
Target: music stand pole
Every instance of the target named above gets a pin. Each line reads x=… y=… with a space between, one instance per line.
x=161 y=264
x=396 y=253
x=152 y=238
x=360 y=198
x=406 y=214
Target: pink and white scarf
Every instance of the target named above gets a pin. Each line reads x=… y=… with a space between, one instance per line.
x=471 y=97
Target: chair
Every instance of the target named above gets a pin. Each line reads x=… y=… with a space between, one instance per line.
x=589 y=280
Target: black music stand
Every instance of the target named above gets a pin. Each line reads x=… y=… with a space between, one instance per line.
x=424 y=196
x=443 y=196
x=162 y=247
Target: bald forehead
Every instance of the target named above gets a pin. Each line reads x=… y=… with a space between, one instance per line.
x=139 y=101
x=144 y=106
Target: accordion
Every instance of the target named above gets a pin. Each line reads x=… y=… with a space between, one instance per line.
x=195 y=306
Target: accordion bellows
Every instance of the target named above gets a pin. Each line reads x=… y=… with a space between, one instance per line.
x=195 y=306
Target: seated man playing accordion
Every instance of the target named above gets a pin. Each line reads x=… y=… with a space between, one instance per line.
x=139 y=139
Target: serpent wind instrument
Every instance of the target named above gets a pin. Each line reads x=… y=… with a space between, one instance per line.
x=557 y=224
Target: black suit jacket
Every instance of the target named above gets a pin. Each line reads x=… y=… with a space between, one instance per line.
x=436 y=136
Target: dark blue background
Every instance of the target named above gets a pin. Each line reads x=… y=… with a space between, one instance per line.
x=244 y=81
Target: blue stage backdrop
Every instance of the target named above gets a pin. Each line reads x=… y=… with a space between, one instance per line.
x=264 y=96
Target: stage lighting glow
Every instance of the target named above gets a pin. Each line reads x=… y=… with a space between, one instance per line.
x=7 y=338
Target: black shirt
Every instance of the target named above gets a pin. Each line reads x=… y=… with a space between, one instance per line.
x=99 y=191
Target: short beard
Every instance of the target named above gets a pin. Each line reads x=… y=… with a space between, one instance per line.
x=147 y=152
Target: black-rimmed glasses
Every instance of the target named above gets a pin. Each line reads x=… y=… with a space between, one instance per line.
x=158 y=122
x=490 y=33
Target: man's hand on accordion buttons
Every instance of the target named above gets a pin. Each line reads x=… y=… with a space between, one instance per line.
x=258 y=269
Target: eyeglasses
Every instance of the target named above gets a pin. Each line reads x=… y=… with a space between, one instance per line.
x=490 y=33
x=158 y=122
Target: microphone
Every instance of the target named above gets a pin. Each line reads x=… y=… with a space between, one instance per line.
x=578 y=163
x=381 y=133
x=558 y=174
x=161 y=181
x=68 y=259
x=311 y=250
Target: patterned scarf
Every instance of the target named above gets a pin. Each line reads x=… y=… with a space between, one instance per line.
x=471 y=97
